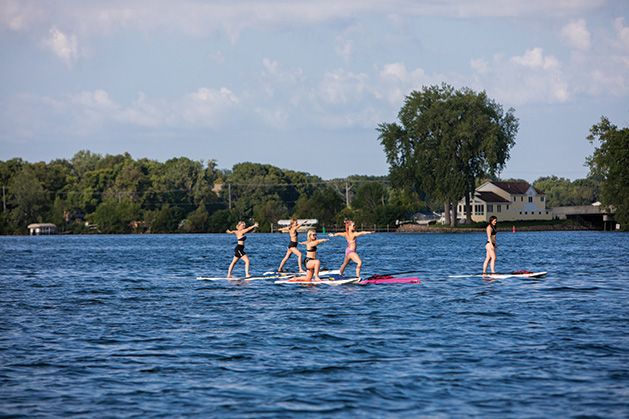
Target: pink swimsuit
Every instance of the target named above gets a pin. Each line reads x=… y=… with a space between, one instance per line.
x=349 y=251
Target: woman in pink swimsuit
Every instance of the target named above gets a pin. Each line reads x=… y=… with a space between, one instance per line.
x=350 y=235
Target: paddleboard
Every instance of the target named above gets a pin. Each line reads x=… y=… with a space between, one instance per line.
x=250 y=278
x=515 y=274
x=324 y=281
x=321 y=273
x=390 y=281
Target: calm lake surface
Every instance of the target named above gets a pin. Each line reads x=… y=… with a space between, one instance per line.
x=119 y=326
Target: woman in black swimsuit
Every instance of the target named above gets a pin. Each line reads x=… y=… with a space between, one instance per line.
x=491 y=245
x=292 y=246
x=239 y=251
x=311 y=262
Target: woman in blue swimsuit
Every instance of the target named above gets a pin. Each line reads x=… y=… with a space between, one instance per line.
x=239 y=251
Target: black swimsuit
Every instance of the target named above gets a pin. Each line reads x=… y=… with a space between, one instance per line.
x=239 y=251
x=307 y=259
x=293 y=243
x=493 y=235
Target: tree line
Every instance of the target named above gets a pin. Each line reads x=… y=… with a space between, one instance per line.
x=445 y=143
x=119 y=194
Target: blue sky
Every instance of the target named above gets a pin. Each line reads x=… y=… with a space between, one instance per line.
x=302 y=85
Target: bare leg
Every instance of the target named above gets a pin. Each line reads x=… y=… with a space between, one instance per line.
x=247 y=262
x=285 y=260
x=344 y=265
x=231 y=267
x=359 y=263
x=316 y=266
x=491 y=256
x=493 y=262
x=298 y=254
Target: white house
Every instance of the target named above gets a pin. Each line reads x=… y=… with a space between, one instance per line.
x=38 y=229
x=509 y=201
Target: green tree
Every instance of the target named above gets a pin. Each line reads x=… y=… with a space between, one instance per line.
x=561 y=192
x=447 y=139
x=610 y=162
x=115 y=217
x=27 y=197
x=197 y=221
x=324 y=205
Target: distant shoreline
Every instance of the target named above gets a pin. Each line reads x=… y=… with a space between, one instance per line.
x=415 y=228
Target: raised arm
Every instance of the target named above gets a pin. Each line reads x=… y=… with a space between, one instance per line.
x=342 y=234
x=248 y=229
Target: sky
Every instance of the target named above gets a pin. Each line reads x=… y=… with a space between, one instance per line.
x=302 y=84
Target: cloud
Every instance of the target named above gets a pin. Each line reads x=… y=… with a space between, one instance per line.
x=89 y=111
x=341 y=86
x=530 y=78
x=205 y=107
x=200 y=19
x=576 y=35
x=62 y=45
x=344 y=48
x=622 y=33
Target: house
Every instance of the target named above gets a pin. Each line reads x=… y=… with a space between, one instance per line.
x=509 y=201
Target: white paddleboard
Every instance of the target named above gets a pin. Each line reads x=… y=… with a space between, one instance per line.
x=250 y=278
x=324 y=281
x=282 y=274
x=504 y=275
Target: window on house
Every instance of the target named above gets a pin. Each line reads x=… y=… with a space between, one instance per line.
x=490 y=208
x=479 y=210
x=498 y=208
x=530 y=199
x=541 y=199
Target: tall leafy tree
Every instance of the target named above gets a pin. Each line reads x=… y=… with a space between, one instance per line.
x=445 y=140
x=610 y=161
x=27 y=197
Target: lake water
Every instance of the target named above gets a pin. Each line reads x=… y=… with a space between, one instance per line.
x=119 y=326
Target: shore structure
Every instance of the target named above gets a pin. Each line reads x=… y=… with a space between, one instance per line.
x=42 y=229
x=509 y=201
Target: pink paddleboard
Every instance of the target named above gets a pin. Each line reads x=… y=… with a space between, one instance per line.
x=390 y=281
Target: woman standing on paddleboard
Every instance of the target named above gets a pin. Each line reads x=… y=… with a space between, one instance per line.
x=311 y=262
x=239 y=251
x=491 y=245
x=350 y=235
x=292 y=245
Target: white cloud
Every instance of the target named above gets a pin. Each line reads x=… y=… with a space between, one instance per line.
x=199 y=18
x=529 y=78
x=622 y=32
x=344 y=48
x=63 y=46
x=576 y=35
x=205 y=107
x=341 y=86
